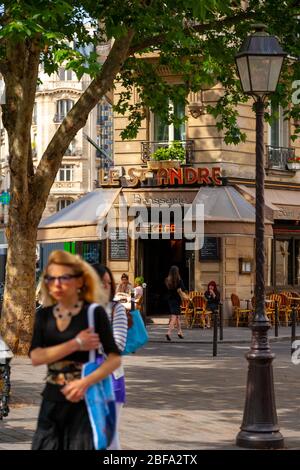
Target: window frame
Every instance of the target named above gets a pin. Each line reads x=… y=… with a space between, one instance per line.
x=283 y=130
x=63 y=172
x=293 y=259
x=63 y=200
x=62 y=110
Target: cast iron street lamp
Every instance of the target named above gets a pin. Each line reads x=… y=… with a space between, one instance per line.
x=259 y=64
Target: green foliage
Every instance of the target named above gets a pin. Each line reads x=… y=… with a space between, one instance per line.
x=174 y=152
x=194 y=39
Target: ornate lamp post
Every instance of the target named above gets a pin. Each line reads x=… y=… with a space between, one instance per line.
x=259 y=64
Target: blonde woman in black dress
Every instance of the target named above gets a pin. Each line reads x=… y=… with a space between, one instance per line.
x=62 y=340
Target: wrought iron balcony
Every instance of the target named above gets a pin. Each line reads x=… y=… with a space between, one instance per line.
x=277 y=157
x=59 y=117
x=73 y=152
x=148 y=148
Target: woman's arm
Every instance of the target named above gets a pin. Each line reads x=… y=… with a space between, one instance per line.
x=76 y=389
x=86 y=340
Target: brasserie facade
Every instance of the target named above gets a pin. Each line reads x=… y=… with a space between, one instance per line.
x=218 y=176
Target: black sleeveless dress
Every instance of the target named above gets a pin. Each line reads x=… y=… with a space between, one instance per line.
x=64 y=425
x=174 y=299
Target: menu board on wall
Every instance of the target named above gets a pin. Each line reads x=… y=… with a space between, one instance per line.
x=210 y=250
x=118 y=245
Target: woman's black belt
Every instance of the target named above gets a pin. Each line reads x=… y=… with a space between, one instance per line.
x=63 y=372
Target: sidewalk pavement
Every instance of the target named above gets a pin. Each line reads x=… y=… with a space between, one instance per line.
x=178 y=395
x=158 y=329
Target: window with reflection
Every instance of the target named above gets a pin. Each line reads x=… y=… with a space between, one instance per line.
x=62 y=203
x=286 y=262
x=164 y=132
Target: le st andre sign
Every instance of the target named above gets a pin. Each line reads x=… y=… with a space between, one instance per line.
x=163 y=177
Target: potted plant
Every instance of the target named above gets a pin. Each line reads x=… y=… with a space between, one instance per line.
x=293 y=163
x=167 y=157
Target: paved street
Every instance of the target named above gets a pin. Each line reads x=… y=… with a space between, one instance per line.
x=179 y=397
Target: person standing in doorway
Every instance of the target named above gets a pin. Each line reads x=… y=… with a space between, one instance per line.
x=117 y=315
x=62 y=340
x=174 y=283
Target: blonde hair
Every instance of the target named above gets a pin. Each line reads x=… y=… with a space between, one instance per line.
x=92 y=289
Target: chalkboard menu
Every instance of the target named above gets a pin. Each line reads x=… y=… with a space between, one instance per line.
x=118 y=245
x=210 y=250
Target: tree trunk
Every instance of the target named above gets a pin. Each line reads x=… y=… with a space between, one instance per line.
x=29 y=190
x=19 y=294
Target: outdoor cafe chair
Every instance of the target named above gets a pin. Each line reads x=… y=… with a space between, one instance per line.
x=296 y=303
x=187 y=310
x=239 y=315
x=284 y=309
x=193 y=293
x=270 y=306
x=199 y=305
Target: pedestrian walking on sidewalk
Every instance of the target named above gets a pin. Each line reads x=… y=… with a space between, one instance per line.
x=175 y=287
x=62 y=340
x=117 y=315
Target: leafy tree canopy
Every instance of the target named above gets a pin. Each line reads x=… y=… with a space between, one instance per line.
x=196 y=39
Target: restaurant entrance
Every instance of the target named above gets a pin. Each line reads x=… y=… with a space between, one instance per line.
x=155 y=257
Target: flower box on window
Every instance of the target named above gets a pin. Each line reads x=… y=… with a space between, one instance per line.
x=293 y=163
x=158 y=164
x=169 y=156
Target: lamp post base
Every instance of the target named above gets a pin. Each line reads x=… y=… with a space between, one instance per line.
x=260 y=429
x=254 y=440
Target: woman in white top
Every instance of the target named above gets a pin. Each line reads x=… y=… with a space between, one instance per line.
x=138 y=289
x=117 y=315
x=124 y=286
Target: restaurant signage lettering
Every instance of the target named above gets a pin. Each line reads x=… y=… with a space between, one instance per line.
x=151 y=227
x=287 y=212
x=118 y=245
x=164 y=176
x=210 y=250
x=179 y=196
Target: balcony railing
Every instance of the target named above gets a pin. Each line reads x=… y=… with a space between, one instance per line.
x=59 y=117
x=277 y=157
x=148 y=148
x=73 y=152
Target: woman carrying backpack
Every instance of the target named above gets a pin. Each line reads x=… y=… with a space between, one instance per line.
x=117 y=315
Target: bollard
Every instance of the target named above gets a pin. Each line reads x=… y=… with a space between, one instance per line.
x=144 y=305
x=144 y=286
x=215 y=333
x=293 y=329
x=221 y=321
x=132 y=300
x=276 y=318
x=5 y=358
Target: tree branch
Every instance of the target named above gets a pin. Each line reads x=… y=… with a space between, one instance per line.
x=200 y=28
x=74 y=121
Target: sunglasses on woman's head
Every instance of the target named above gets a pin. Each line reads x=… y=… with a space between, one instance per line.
x=64 y=279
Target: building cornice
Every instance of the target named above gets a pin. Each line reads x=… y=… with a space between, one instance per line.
x=268 y=184
x=57 y=91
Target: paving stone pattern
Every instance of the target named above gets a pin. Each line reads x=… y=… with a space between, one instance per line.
x=178 y=395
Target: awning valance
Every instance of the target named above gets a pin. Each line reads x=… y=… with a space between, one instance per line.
x=223 y=204
x=79 y=220
x=284 y=203
x=226 y=213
